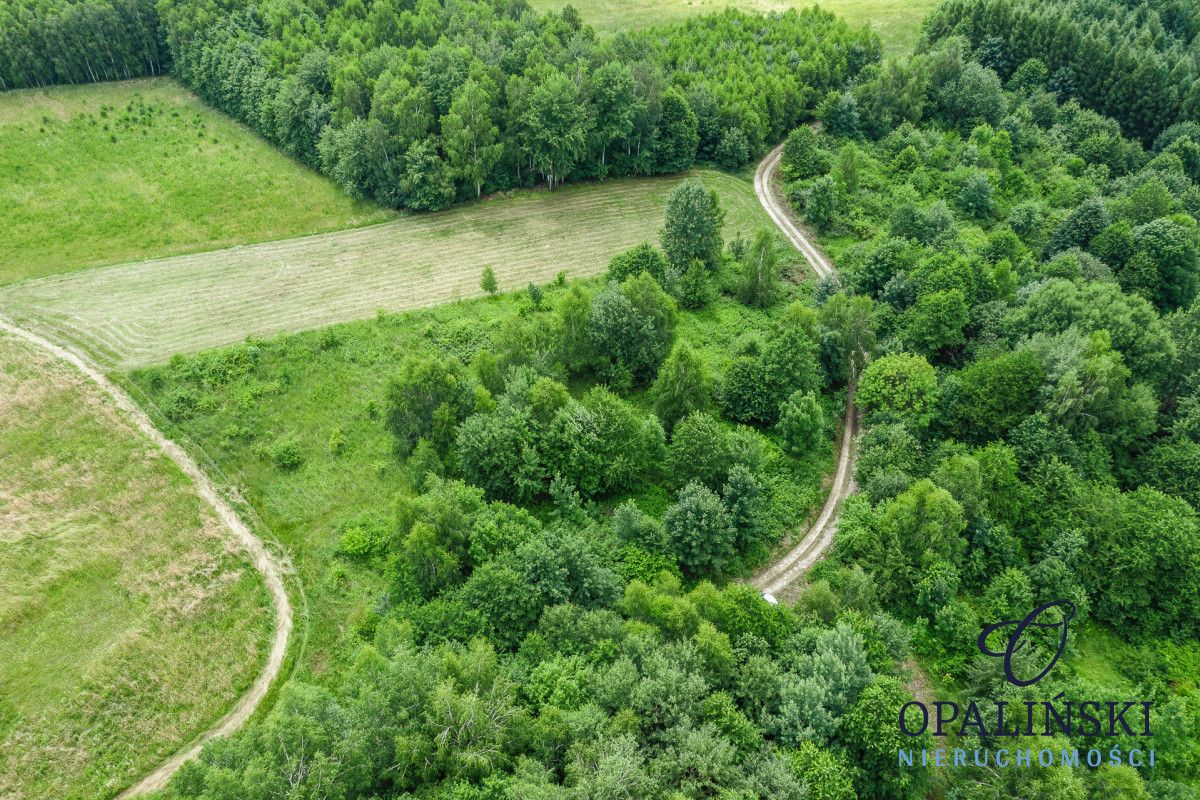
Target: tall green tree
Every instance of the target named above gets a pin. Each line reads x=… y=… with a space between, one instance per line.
x=678 y=138
x=557 y=125
x=760 y=271
x=903 y=387
x=683 y=386
x=692 y=229
x=701 y=530
x=617 y=105
x=851 y=320
x=469 y=134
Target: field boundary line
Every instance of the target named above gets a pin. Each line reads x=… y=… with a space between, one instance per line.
x=261 y=557
x=812 y=547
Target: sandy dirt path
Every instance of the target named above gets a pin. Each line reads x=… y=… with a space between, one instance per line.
x=259 y=555
x=817 y=540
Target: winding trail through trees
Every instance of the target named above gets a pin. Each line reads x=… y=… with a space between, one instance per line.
x=812 y=546
x=262 y=558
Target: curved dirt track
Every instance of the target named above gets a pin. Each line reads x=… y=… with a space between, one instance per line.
x=262 y=559
x=812 y=546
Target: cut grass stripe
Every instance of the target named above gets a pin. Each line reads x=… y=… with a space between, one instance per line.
x=142 y=313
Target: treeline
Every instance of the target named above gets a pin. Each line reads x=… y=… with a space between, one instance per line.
x=1134 y=62
x=44 y=42
x=419 y=105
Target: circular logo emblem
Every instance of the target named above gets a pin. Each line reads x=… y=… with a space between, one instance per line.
x=1016 y=642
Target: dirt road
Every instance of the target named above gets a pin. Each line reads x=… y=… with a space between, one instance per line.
x=813 y=544
x=264 y=561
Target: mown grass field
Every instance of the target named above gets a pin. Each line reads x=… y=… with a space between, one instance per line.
x=128 y=623
x=113 y=172
x=898 y=22
x=325 y=390
x=143 y=313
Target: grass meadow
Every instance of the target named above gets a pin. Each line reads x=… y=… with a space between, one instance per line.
x=142 y=313
x=114 y=172
x=128 y=623
x=324 y=391
x=898 y=22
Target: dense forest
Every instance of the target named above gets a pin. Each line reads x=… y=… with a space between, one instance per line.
x=1031 y=402
x=415 y=105
x=1135 y=62
x=44 y=42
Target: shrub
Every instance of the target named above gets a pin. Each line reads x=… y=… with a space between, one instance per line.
x=488 y=282
x=180 y=405
x=636 y=260
x=695 y=288
x=801 y=423
x=286 y=453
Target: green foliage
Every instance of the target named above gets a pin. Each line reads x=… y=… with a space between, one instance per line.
x=424 y=390
x=701 y=530
x=678 y=139
x=1149 y=539
x=888 y=455
x=632 y=325
x=1164 y=265
x=802 y=423
x=699 y=450
x=497 y=452
x=802 y=155
x=821 y=204
x=470 y=135
x=1083 y=224
x=89 y=42
x=695 y=287
x=976 y=198
x=872 y=739
x=488 y=281
x=733 y=150
x=1173 y=467
x=755 y=385
x=286 y=453
x=826 y=776
x=838 y=112
x=1101 y=53
x=468 y=112
x=636 y=260
x=683 y=386
x=935 y=324
x=900 y=387
x=992 y=397
x=692 y=228
x=852 y=322
x=760 y=271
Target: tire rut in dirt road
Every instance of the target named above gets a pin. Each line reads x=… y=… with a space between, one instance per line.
x=263 y=560
x=817 y=540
